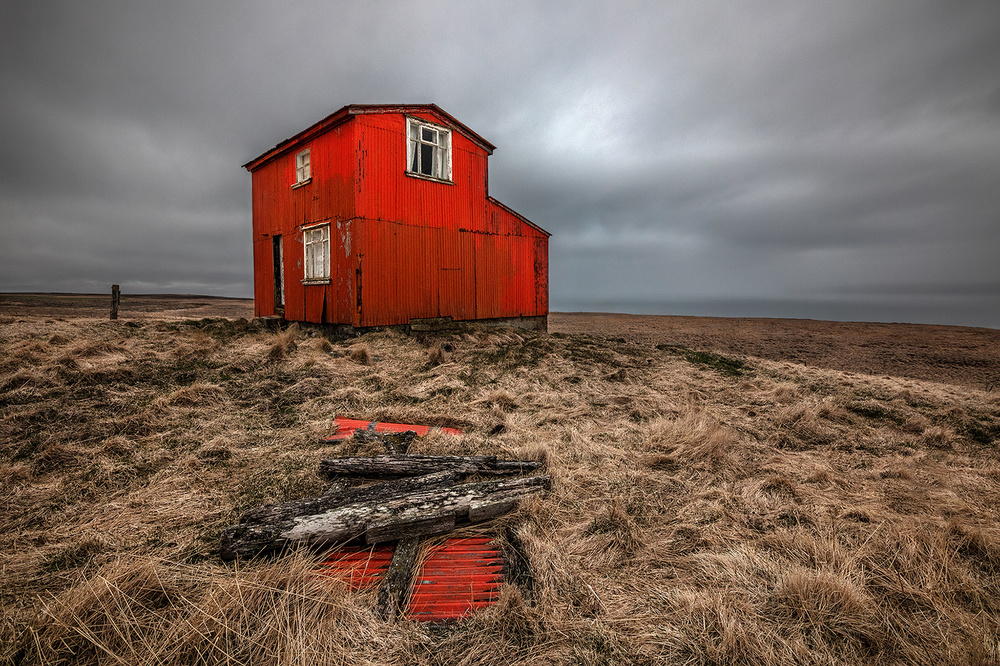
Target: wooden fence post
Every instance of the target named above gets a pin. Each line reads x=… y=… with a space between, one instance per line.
x=115 y=297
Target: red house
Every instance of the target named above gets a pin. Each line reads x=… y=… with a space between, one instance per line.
x=380 y=215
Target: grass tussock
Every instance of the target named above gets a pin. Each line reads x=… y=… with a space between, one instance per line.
x=360 y=354
x=704 y=509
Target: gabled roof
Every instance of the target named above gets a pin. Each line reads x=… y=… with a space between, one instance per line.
x=345 y=113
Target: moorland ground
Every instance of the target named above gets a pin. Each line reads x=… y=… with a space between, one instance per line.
x=952 y=354
x=724 y=491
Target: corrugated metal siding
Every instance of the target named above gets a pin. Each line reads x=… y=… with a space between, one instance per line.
x=411 y=272
x=278 y=208
x=403 y=247
x=360 y=568
x=455 y=579
x=385 y=192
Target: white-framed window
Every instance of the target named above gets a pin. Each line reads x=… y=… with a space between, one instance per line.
x=428 y=150
x=316 y=249
x=303 y=170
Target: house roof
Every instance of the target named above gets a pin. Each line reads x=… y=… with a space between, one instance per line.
x=518 y=216
x=345 y=113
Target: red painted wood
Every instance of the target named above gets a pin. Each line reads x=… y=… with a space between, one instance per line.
x=346 y=428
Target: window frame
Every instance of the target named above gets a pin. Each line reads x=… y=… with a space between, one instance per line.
x=441 y=150
x=303 y=168
x=309 y=273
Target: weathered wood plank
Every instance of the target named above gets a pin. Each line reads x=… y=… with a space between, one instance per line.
x=395 y=443
x=414 y=465
x=487 y=510
x=373 y=492
x=345 y=522
x=396 y=582
x=406 y=527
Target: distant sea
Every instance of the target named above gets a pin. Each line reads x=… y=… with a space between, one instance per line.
x=979 y=310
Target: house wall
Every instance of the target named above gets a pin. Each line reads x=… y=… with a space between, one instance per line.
x=418 y=272
x=429 y=249
x=386 y=192
x=278 y=208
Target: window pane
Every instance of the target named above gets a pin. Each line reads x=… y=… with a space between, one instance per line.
x=415 y=158
x=429 y=135
x=426 y=159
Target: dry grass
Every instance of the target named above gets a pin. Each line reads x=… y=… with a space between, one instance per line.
x=781 y=514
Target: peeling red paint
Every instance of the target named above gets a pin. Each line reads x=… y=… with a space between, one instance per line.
x=346 y=428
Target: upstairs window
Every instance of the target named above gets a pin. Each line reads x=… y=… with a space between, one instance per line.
x=428 y=150
x=316 y=246
x=303 y=172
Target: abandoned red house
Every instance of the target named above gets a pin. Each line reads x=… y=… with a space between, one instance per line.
x=380 y=215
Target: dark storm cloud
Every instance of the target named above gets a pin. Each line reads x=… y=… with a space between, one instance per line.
x=691 y=149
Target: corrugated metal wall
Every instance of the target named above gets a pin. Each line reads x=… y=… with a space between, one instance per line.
x=403 y=247
x=410 y=272
x=280 y=209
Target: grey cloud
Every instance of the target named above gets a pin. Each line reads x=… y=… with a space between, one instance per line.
x=689 y=149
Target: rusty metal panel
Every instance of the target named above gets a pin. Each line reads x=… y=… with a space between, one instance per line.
x=541 y=276
x=343 y=244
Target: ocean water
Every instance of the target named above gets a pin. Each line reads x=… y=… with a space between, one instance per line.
x=980 y=310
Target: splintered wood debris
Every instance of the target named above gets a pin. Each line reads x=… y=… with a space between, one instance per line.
x=421 y=496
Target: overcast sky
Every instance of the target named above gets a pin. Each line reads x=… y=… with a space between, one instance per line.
x=829 y=159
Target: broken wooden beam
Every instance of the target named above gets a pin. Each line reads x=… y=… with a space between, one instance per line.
x=419 y=512
x=395 y=443
x=373 y=492
x=414 y=465
x=396 y=582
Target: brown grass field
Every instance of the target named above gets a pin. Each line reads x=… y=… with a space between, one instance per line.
x=724 y=490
